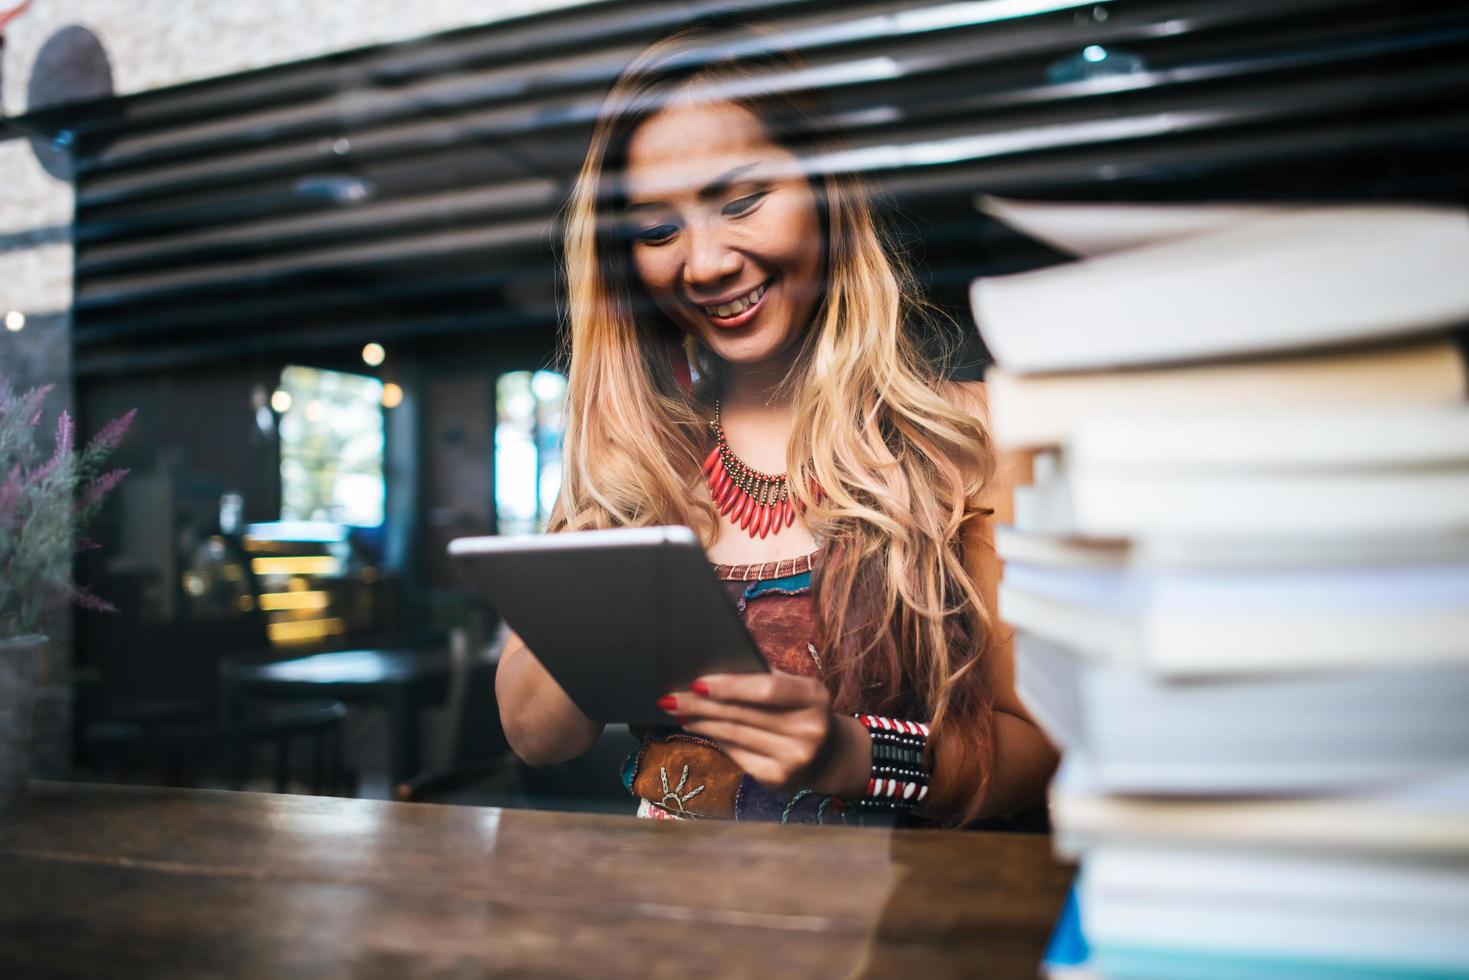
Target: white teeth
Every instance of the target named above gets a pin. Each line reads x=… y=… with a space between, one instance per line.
x=737 y=306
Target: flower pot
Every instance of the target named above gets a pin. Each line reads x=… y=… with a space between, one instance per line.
x=20 y=662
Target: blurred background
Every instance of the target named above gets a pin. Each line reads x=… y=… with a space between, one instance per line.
x=314 y=246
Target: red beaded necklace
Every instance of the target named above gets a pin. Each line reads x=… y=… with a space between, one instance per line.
x=759 y=503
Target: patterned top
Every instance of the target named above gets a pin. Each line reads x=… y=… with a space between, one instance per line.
x=679 y=775
x=780 y=568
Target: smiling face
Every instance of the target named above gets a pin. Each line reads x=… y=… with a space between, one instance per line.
x=726 y=237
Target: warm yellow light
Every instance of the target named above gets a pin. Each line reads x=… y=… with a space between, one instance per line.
x=296 y=565
x=15 y=321
x=305 y=630
x=392 y=395
x=275 y=601
x=247 y=603
x=259 y=544
x=373 y=355
x=280 y=402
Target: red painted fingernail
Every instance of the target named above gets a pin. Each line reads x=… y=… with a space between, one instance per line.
x=700 y=688
x=668 y=702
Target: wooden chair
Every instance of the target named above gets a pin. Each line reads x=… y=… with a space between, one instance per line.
x=193 y=749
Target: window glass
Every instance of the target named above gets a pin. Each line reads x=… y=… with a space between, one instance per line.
x=528 y=427
x=331 y=447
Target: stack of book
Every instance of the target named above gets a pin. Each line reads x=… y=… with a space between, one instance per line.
x=1240 y=580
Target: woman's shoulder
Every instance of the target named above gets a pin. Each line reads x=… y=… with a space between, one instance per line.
x=1012 y=466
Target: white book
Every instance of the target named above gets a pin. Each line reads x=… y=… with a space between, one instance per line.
x=1424 y=816
x=1044 y=505
x=1273 y=440
x=1224 y=551
x=1096 y=228
x=1319 y=907
x=1307 y=473
x=1282 y=734
x=1044 y=410
x=1213 y=622
x=1305 y=279
x=1141 y=504
x=1015 y=543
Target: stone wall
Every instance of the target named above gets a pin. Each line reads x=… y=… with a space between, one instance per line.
x=155 y=43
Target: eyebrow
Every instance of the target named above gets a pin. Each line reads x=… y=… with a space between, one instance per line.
x=711 y=189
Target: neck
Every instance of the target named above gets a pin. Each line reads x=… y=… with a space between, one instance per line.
x=754 y=389
x=757 y=416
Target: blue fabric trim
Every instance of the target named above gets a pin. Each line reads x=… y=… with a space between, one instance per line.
x=630 y=765
x=788 y=585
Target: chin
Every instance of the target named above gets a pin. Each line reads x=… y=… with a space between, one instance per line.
x=752 y=350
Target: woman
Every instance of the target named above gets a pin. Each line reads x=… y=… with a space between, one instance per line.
x=842 y=487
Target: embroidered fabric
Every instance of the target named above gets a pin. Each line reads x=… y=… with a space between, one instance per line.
x=774 y=599
x=780 y=568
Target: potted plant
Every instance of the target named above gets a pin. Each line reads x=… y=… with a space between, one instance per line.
x=45 y=503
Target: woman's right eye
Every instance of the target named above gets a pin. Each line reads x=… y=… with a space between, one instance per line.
x=655 y=234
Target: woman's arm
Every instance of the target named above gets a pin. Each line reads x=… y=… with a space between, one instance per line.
x=1024 y=758
x=541 y=723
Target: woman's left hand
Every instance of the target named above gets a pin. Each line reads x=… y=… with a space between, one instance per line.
x=779 y=728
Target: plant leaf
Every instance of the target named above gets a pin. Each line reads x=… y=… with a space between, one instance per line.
x=100 y=488
x=44 y=506
x=88 y=601
x=66 y=431
x=32 y=403
x=111 y=434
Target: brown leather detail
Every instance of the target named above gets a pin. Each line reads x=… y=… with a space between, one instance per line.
x=708 y=767
x=784 y=627
x=779 y=568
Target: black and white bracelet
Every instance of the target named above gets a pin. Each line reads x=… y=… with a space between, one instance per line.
x=899 y=779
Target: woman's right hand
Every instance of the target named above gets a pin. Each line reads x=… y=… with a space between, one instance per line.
x=542 y=724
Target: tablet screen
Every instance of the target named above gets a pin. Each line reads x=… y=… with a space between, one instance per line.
x=619 y=618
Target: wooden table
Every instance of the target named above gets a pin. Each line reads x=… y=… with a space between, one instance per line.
x=127 y=881
x=403 y=681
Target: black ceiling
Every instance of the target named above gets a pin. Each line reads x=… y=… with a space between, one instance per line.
x=408 y=190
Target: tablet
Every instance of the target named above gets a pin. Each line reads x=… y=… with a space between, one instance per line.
x=620 y=618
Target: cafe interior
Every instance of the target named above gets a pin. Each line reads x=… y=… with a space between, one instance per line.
x=313 y=248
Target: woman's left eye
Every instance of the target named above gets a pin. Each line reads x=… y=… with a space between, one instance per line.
x=655 y=234
x=742 y=205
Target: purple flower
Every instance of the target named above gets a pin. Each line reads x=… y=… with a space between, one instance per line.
x=66 y=431
x=101 y=487
x=90 y=602
x=44 y=505
x=10 y=492
x=106 y=440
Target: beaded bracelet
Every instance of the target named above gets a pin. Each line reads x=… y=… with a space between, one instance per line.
x=899 y=779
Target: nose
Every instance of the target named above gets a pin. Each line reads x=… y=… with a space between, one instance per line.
x=710 y=261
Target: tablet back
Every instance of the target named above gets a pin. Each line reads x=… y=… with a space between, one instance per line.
x=619 y=618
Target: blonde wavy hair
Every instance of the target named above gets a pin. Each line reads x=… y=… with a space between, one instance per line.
x=902 y=621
